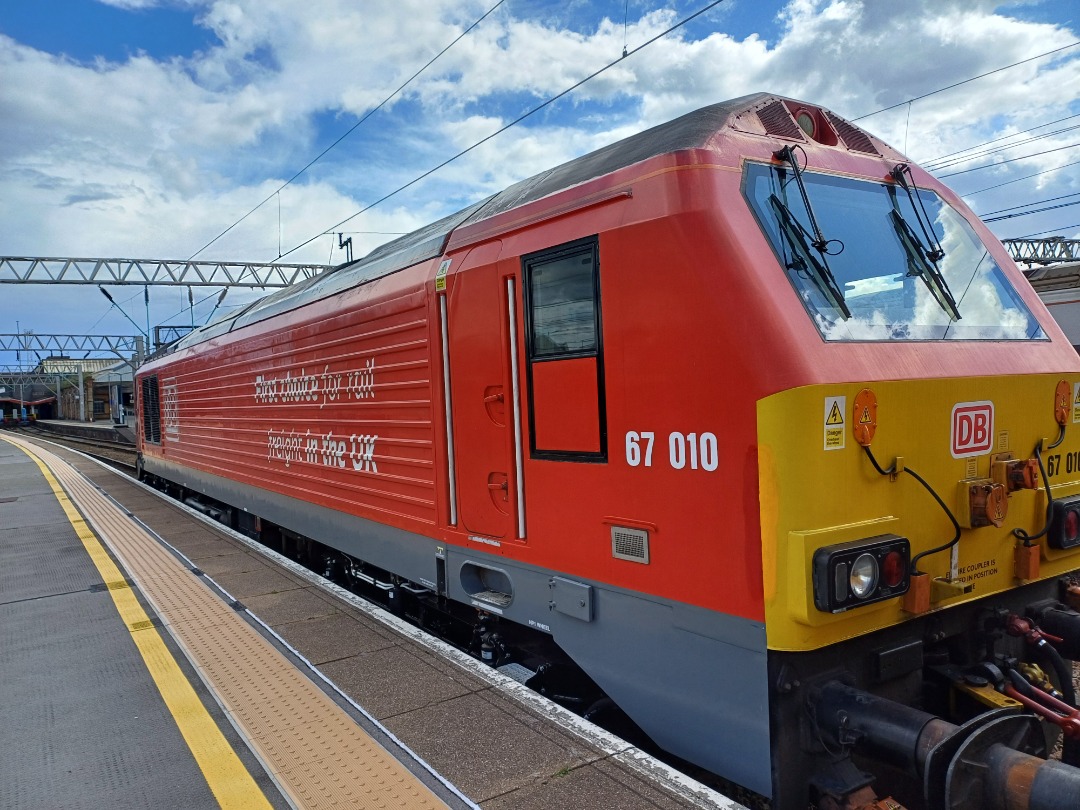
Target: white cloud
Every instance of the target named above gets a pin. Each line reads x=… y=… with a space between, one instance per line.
x=130 y=4
x=154 y=157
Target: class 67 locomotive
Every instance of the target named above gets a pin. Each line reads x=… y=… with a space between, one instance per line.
x=746 y=417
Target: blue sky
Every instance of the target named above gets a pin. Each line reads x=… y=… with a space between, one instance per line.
x=144 y=128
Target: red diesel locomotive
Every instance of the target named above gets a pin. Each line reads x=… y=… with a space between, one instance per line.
x=746 y=417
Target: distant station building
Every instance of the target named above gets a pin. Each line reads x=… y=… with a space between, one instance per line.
x=114 y=393
x=68 y=373
x=36 y=399
x=59 y=387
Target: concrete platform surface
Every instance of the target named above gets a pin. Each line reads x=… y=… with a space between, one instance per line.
x=84 y=724
x=501 y=745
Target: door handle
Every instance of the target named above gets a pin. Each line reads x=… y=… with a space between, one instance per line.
x=495 y=405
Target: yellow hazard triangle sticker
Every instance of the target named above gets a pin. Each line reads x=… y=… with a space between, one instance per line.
x=836 y=417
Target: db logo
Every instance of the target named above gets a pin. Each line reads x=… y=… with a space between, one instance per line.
x=972 y=428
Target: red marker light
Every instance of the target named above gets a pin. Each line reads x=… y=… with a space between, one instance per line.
x=892 y=569
x=1072 y=526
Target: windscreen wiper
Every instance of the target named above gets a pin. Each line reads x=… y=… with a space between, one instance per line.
x=817 y=269
x=922 y=263
x=819 y=241
x=936 y=252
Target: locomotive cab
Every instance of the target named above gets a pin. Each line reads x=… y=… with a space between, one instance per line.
x=915 y=514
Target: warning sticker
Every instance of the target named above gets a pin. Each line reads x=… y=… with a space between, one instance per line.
x=440 y=275
x=835 y=408
x=1076 y=402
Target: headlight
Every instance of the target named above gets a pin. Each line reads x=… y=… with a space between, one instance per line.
x=860 y=572
x=864 y=576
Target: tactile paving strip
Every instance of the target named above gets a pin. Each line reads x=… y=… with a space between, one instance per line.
x=312 y=748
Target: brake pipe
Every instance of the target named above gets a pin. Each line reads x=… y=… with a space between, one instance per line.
x=1019 y=627
x=1048 y=707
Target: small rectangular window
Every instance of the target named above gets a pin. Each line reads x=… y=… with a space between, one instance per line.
x=151 y=410
x=562 y=296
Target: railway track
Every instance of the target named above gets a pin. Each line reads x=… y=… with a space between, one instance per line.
x=119 y=456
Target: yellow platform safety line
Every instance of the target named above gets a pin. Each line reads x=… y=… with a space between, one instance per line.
x=229 y=780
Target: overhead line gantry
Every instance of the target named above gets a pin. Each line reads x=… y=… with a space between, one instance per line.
x=1051 y=250
x=179 y=273
x=123 y=346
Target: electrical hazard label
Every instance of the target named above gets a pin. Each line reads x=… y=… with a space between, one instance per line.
x=1076 y=402
x=835 y=408
x=440 y=275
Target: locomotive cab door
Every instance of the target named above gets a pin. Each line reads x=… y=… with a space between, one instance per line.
x=480 y=342
x=525 y=348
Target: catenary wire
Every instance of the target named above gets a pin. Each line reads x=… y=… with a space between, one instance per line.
x=935 y=160
x=1010 y=160
x=965 y=81
x=191 y=308
x=351 y=129
x=1035 y=202
x=1032 y=211
x=934 y=167
x=1043 y=233
x=1025 y=177
x=503 y=129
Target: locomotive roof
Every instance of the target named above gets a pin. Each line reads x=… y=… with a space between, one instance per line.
x=693 y=130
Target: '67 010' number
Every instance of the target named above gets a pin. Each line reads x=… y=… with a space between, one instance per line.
x=696 y=451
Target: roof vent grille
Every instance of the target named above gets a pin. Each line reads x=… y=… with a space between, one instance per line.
x=853 y=137
x=778 y=121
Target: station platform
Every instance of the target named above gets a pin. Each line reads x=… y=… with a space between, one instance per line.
x=154 y=658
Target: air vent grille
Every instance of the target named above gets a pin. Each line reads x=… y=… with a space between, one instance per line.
x=630 y=544
x=853 y=137
x=778 y=121
x=151 y=410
